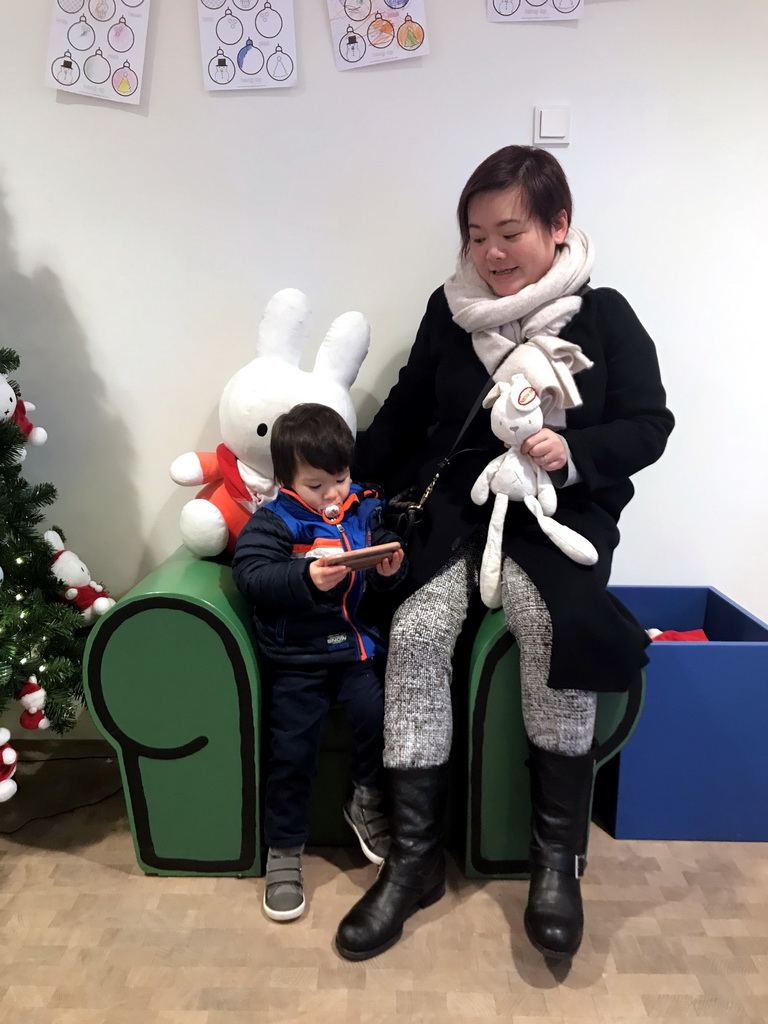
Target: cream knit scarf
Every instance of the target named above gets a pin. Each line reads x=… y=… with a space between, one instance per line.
x=500 y=325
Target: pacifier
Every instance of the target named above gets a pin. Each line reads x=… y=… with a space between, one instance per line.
x=331 y=514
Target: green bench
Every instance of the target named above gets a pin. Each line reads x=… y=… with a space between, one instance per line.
x=172 y=681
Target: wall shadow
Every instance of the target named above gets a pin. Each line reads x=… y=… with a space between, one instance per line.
x=88 y=456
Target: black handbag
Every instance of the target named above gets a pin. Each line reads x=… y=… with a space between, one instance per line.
x=404 y=511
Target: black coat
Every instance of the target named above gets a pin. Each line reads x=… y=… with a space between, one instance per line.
x=621 y=427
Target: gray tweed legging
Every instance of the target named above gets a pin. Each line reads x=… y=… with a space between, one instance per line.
x=417 y=700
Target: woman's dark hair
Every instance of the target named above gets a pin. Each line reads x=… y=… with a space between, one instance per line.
x=540 y=178
x=313 y=434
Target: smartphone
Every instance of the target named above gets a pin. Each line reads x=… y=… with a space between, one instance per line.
x=364 y=558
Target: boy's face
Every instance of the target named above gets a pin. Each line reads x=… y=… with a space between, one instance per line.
x=319 y=489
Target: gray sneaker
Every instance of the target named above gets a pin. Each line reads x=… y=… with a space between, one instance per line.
x=364 y=816
x=283 y=886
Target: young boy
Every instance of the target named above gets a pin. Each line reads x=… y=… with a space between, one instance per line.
x=315 y=648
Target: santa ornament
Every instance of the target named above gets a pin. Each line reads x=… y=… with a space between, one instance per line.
x=32 y=699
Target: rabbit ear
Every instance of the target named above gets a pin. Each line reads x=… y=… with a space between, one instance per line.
x=496 y=391
x=284 y=326
x=54 y=540
x=344 y=348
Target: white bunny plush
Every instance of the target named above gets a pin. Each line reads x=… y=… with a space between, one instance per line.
x=239 y=475
x=515 y=416
x=83 y=593
x=15 y=409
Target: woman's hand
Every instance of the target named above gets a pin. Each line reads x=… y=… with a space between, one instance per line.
x=389 y=566
x=547 y=450
x=326 y=577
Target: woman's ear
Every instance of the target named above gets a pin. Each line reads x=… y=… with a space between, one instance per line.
x=560 y=228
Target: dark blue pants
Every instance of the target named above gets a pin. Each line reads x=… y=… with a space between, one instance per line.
x=299 y=700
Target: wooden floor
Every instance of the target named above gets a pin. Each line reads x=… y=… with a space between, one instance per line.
x=675 y=932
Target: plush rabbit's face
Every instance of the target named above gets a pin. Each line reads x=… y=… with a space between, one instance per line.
x=71 y=570
x=516 y=411
x=264 y=390
x=511 y=425
x=273 y=383
x=8 y=400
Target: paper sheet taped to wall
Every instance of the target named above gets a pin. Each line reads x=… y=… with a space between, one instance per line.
x=534 y=10
x=247 y=44
x=96 y=48
x=375 y=31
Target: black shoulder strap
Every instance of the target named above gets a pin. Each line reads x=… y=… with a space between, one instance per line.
x=471 y=415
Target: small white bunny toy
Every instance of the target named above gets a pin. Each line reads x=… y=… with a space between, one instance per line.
x=89 y=597
x=239 y=475
x=515 y=416
x=15 y=409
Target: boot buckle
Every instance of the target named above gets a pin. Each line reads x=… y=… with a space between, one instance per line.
x=580 y=865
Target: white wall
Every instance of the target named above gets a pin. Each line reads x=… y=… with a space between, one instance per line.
x=138 y=247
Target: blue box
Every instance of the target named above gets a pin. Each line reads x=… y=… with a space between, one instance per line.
x=697 y=765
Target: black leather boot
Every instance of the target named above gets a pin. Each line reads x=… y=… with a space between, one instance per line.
x=413 y=875
x=561 y=796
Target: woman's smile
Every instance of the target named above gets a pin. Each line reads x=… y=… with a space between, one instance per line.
x=501 y=227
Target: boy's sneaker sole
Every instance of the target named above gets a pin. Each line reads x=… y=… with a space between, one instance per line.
x=283 y=915
x=374 y=858
x=283 y=873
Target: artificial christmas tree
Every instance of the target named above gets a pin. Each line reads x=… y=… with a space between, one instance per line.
x=41 y=639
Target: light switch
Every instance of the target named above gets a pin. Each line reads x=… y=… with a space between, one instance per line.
x=552 y=126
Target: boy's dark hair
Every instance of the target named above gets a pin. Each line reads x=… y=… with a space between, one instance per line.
x=313 y=434
x=542 y=182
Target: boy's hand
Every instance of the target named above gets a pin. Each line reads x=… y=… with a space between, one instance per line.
x=326 y=577
x=389 y=566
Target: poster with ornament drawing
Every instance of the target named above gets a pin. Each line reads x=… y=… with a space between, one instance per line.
x=247 y=44
x=534 y=10
x=96 y=48
x=374 y=31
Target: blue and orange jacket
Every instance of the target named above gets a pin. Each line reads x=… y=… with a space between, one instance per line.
x=294 y=621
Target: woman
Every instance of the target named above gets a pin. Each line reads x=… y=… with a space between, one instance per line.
x=521 y=279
